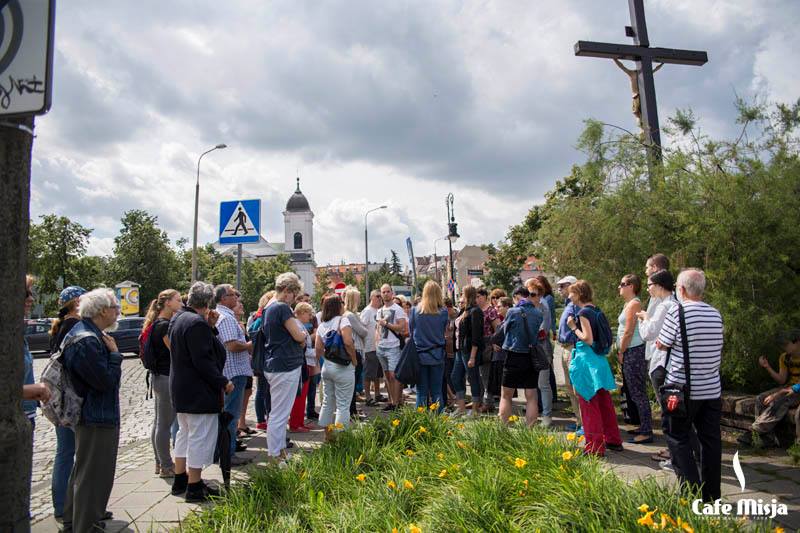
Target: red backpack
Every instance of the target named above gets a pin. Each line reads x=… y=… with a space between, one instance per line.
x=144 y=336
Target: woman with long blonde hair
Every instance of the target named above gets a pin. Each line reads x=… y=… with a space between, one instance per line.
x=157 y=360
x=352 y=301
x=428 y=325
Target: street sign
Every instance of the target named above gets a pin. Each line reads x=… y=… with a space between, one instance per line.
x=26 y=56
x=339 y=288
x=240 y=222
x=475 y=272
x=411 y=260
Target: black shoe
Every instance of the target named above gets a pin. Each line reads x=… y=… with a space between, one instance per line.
x=615 y=447
x=380 y=398
x=389 y=407
x=179 y=484
x=289 y=444
x=196 y=493
x=240 y=446
x=770 y=440
x=634 y=431
x=313 y=415
x=211 y=491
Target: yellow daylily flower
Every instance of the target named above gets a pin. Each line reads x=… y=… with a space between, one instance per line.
x=685 y=526
x=330 y=427
x=566 y=456
x=420 y=409
x=391 y=484
x=434 y=406
x=440 y=456
x=395 y=422
x=422 y=429
x=394 y=530
x=409 y=453
x=522 y=493
x=683 y=501
x=666 y=519
x=643 y=508
x=571 y=437
x=525 y=482
x=361 y=477
x=455 y=467
x=443 y=473
x=339 y=425
x=461 y=444
x=449 y=433
x=519 y=462
x=408 y=485
x=460 y=426
x=445 y=418
x=778 y=529
x=647 y=519
x=414 y=529
x=512 y=419
x=581 y=439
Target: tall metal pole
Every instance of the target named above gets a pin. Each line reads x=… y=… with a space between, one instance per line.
x=366 y=254
x=196 y=209
x=452 y=235
x=238 y=267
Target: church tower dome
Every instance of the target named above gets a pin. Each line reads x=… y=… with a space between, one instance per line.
x=298 y=221
x=298 y=202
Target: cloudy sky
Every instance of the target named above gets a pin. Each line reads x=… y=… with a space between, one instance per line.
x=374 y=102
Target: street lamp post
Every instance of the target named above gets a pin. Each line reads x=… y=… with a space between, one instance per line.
x=452 y=237
x=366 y=254
x=196 y=207
x=436 y=259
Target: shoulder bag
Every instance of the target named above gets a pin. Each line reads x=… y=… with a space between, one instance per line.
x=407 y=369
x=538 y=354
x=335 y=350
x=674 y=397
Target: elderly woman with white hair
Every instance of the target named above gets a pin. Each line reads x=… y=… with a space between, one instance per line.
x=284 y=358
x=196 y=383
x=95 y=367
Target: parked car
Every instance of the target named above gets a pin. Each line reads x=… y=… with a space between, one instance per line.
x=127 y=334
x=37 y=333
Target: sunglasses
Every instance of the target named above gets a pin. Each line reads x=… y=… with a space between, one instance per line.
x=621 y=285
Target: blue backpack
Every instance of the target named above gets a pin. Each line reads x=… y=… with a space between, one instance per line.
x=601 y=333
x=334 y=346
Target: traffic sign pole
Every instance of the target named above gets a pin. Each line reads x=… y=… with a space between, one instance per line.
x=238 y=267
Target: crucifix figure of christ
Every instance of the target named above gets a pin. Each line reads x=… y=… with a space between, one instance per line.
x=636 y=104
x=644 y=56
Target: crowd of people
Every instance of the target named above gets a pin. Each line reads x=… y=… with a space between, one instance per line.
x=204 y=357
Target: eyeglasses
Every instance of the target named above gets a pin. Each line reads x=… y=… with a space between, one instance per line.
x=623 y=284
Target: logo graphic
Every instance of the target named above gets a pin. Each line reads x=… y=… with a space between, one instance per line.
x=745 y=507
x=737 y=469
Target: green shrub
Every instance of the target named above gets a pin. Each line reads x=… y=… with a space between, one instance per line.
x=451 y=476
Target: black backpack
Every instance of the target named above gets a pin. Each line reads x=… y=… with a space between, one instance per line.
x=602 y=336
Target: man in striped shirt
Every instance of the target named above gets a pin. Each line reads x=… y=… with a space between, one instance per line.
x=704 y=332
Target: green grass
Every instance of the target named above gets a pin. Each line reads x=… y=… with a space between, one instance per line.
x=465 y=475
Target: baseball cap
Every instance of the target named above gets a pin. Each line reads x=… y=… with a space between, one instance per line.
x=567 y=280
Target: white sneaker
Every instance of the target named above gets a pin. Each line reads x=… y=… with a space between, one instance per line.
x=547 y=421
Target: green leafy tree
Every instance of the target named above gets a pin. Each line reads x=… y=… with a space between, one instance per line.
x=142 y=253
x=258 y=277
x=321 y=287
x=728 y=206
x=56 y=244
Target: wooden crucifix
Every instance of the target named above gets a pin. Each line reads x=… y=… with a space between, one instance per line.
x=644 y=88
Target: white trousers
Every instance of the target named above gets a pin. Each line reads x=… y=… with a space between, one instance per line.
x=282 y=392
x=338 y=382
x=197 y=438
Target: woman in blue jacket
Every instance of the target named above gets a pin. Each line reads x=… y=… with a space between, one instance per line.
x=428 y=324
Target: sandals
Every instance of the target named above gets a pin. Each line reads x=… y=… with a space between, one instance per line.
x=663 y=455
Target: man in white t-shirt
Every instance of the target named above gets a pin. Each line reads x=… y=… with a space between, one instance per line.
x=372 y=367
x=391 y=325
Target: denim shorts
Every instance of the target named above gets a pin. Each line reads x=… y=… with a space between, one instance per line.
x=388 y=357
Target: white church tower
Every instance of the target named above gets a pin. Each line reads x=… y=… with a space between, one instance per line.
x=298 y=221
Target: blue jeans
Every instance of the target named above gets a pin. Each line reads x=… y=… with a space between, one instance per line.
x=429 y=381
x=459 y=376
x=62 y=467
x=233 y=405
x=262 y=399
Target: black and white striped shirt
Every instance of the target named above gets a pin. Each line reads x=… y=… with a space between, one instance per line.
x=704 y=329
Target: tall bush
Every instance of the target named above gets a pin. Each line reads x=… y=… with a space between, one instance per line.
x=729 y=207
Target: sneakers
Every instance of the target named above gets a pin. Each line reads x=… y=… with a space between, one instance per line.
x=240 y=446
x=313 y=415
x=262 y=426
x=179 y=484
x=667 y=465
x=371 y=402
x=547 y=421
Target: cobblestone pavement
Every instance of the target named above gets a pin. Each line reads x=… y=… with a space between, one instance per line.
x=137 y=417
x=143 y=499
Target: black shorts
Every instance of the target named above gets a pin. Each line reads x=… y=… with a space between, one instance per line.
x=518 y=372
x=249 y=384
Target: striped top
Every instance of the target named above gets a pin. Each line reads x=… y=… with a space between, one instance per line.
x=704 y=328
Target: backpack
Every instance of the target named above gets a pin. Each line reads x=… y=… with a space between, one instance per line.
x=601 y=333
x=64 y=407
x=144 y=336
x=259 y=351
x=334 y=346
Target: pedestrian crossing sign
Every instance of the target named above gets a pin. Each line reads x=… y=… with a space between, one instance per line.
x=240 y=222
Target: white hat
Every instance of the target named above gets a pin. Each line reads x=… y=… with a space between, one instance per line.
x=567 y=280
